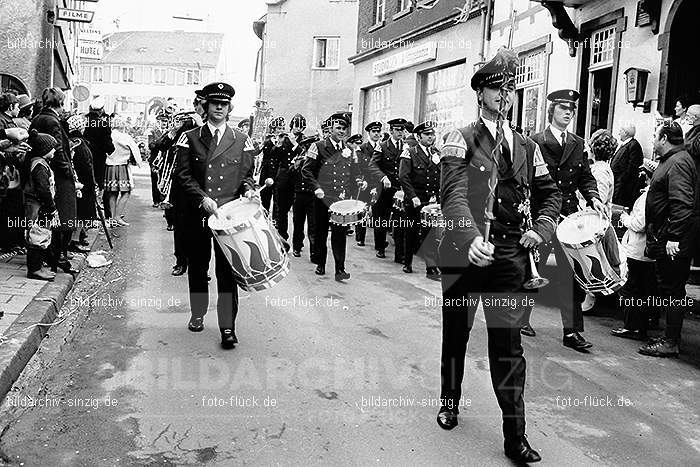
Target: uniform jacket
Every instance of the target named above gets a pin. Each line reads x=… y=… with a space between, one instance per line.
x=270 y=163
x=569 y=168
x=625 y=167
x=466 y=166
x=419 y=174
x=385 y=162
x=329 y=169
x=222 y=176
x=671 y=213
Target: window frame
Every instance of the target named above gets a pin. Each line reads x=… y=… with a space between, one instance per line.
x=379 y=4
x=163 y=72
x=122 y=69
x=315 y=57
x=93 y=70
x=190 y=73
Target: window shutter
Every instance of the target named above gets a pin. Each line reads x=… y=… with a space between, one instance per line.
x=332 y=53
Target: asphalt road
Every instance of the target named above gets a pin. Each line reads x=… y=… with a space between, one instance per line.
x=316 y=362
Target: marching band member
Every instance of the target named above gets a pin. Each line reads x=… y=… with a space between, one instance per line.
x=364 y=155
x=568 y=165
x=419 y=173
x=303 y=207
x=495 y=268
x=384 y=166
x=330 y=170
x=270 y=164
x=285 y=153
x=214 y=166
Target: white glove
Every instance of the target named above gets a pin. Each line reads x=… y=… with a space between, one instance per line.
x=319 y=193
x=250 y=194
x=363 y=185
x=269 y=181
x=386 y=182
x=373 y=192
x=416 y=201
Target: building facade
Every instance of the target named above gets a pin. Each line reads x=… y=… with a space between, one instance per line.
x=139 y=66
x=36 y=52
x=303 y=62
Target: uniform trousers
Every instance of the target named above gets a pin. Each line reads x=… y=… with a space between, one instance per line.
x=198 y=257
x=284 y=199
x=302 y=212
x=565 y=287
x=419 y=239
x=266 y=196
x=398 y=233
x=361 y=228
x=499 y=286
x=381 y=213
x=338 y=237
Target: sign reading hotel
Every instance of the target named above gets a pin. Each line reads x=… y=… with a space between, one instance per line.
x=404 y=59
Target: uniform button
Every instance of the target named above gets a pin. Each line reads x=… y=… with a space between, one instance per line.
x=218 y=189
x=209 y=178
x=221 y=177
x=210 y=190
x=210 y=166
x=571 y=170
x=222 y=165
x=504 y=236
x=482 y=168
x=499 y=201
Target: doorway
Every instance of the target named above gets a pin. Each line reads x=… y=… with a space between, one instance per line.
x=683 y=73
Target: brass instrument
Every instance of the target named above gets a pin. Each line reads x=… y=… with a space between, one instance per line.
x=164 y=163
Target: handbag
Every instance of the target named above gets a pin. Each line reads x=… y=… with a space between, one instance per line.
x=38 y=236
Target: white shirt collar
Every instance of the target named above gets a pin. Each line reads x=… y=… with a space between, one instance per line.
x=221 y=128
x=507 y=132
x=557 y=132
x=395 y=142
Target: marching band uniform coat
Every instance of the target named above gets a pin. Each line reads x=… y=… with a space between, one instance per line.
x=385 y=162
x=268 y=169
x=223 y=173
x=364 y=156
x=327 y=168
x=466 y=166
x=285 y=180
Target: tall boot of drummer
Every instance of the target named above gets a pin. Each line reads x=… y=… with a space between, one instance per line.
x=208 y=183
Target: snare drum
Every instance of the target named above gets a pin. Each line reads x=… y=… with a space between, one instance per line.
x=581 y=236
x=251 y=244
x=431 y=218
x=348 y=212
x=398 y=201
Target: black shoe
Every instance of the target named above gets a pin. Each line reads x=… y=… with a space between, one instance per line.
x=228 y=338
x=320 y=270
x=340 y=275
x=297 y=253
x=447 y=418
x=42 y=275
x=66 y=267
x=628 y=334
x=519 y=450
x=360 y=243
x=381 y=254
x=662 y=347
x=170 y=228
x=350 y=232
x=433 y=274
x=527 y=331
x=576 y=342
x=407 y=269
x=196 y=324
x=179 y=269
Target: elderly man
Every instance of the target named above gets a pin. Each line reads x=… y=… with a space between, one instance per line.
x=625 y=167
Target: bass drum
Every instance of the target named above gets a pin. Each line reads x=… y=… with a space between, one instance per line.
x=256 y=252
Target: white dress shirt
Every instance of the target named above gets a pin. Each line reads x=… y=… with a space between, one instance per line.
x=507 y=132
x=558 y=134
x=213 y=128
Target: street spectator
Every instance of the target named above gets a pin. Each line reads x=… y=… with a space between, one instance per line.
x=671 y=231
x=680 y=109
x=98 y=134
x=641 y=279
x=118 y=179
x=82 y=160
x=26 y=107
x=40 y=208
x=11 y=196
x=48 y=121
x=692 y=145
x=625 y=167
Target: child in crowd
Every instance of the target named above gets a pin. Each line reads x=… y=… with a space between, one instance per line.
x=39 y=207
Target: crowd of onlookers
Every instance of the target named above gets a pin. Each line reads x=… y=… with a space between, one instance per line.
x=58 y=171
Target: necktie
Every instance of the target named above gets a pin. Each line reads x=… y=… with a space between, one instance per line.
x=563 y=138
x=214 y=142
x=398 y=145
x=505 y=152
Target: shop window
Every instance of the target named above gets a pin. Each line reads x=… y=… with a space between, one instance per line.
x=377 y=105
x=444 y=93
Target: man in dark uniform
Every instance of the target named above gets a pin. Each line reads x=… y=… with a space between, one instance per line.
x=174 y=215
x=419 y=174
x=214 y=166
x=329 y=168
x=409 y=135
x=244 y=125
x=384 y=167
x=285 y=152
x=364 y=155
x=493 y=269
x=270 y=164
x=568 y=165
x=303 y=207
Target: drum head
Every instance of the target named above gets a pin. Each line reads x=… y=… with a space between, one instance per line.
x=234 y=213
x=347 y=206
x=582 y=227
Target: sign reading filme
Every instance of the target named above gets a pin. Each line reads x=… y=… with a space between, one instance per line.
x=79 y=16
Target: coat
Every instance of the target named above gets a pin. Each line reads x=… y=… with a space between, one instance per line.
x=625 y=167
x=670 y=210
x=98 y=134
x=569 y=167
x=330 y=170
x=419 y=174
x=385 y=162
x=66 y=201
x=466 y=167
x=82 y=159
